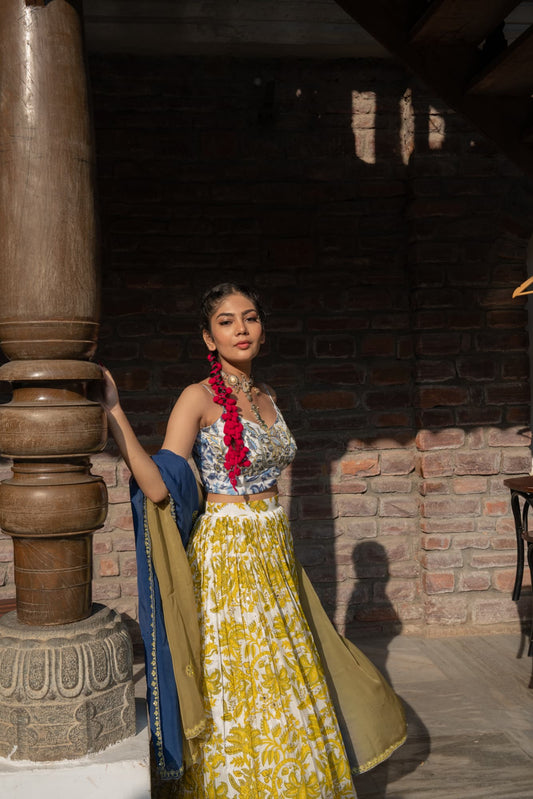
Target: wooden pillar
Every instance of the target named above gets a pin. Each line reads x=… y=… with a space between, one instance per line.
x=67 y=685
x=49 y=309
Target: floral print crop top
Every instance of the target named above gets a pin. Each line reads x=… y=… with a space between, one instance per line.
x=270 y=451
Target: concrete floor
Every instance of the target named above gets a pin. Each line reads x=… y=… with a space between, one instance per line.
x=469 y=704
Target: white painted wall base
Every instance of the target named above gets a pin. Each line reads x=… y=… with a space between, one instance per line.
x=121 y=772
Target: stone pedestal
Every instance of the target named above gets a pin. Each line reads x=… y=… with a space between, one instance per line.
x=121 y=772
x=65 y=691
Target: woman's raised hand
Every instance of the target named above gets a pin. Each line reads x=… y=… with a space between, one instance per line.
x=107 y=391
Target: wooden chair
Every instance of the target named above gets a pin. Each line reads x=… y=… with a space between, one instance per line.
x=521 y=488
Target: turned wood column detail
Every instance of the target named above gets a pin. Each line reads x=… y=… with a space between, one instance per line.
x=49 y=310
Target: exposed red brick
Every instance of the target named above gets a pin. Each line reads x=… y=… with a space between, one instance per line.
x=118 y=494
x=477 y=463
x=436 y=464
x=392 y=485
x=391 y=419
x=334 y=347
x=387 y=398
x=450 y=506
x=328 y=400
x=356 y=505
x=398 y=506
x=105 y=590
x=505 y=526
x=504 y=579
x=435 y=371
x=357 y=528
x=405 y=568
x=470 y=541
x=350 y=294
x=469 y=485
x=517 y=437
x=494 y=611
x=394 y=590
x=337 y=374
x=162 y=349
x=102 y=544
x=516 y=463
x=436 y=559
x=317 y=507
x=292 y=346
x=446 y=610
x=473 y=581
x=128 y=565
x=362 y=466
x=438 y=582
x=444 y=395
x=434 y=487
x=516 y=367
x=349 y=487
x=397 y=463
x=504 y=541
x=478 y=415
x=123 y=541
x=430 y=542
x=507 y=393
x=495 y=507
x=399 y=440
x=445 y=343
x=108 y=566
x=517 y=414
x=398 y=525
x=447 y=525
x=378 y=345
x=477 y=368
x=490 y=559
x=441 y=439
x=390 y=375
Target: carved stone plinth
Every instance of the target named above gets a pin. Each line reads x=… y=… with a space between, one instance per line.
x=65 y=691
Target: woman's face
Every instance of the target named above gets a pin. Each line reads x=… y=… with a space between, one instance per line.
x=236 y=331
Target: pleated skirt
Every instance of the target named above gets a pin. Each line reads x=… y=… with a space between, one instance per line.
x=272 y=731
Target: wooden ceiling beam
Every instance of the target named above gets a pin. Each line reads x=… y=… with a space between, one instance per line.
x=389 y=21
x=447 y=68
x=464 y=20
x=511 y=73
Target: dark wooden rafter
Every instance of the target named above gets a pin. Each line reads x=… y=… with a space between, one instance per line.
x=464 y=20
x=511 y=73
x=458 y=48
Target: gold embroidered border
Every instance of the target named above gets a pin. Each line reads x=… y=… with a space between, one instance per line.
x=375 y=761
x=165 y=773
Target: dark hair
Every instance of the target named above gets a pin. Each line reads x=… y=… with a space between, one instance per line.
x=214 y=297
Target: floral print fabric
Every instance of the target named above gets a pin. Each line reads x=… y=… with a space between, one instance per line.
x=270 y=451
x=271 y=730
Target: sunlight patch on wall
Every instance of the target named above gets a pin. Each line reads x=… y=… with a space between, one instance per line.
x=364 y=125
x=407 y=126
x=436 y=129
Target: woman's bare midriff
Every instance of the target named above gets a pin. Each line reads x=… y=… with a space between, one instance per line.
x=271 y=492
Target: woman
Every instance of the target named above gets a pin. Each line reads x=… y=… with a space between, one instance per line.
x=270 y=727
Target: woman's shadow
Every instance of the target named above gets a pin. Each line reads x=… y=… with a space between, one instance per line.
x=372 y=570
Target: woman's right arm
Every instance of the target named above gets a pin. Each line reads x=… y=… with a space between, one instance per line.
x=183 y=426
x=137 y=459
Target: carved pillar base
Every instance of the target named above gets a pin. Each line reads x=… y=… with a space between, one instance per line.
x=65 y=691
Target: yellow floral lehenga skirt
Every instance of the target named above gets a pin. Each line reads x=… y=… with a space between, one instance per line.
x=271 y=730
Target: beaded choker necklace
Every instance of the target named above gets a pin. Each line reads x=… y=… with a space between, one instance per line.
x=246 y=385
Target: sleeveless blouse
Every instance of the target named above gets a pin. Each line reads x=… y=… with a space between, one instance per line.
x=270 y=451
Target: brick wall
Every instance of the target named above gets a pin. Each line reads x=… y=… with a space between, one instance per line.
x=386 y=237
